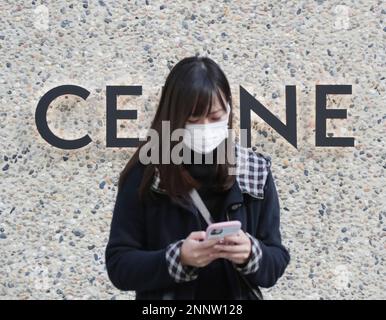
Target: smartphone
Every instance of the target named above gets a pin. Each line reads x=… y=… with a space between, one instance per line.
x=222 y=229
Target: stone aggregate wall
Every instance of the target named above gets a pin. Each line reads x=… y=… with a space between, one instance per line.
x=56 y=205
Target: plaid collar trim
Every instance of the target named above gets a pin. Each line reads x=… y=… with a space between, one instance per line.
x=252 y=170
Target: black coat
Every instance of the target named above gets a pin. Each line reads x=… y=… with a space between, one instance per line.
x=140 y=233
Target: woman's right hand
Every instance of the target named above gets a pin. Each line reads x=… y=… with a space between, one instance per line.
x=195 y=252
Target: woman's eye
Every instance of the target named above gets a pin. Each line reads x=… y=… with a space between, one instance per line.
x=218 y=118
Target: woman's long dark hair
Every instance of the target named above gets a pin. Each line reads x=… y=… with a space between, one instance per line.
x=188 y=90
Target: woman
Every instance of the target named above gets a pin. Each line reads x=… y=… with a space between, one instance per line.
x=157 y=243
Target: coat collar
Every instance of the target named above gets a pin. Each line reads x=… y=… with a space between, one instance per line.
x=252 y=170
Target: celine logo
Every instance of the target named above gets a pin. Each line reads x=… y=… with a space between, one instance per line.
x=248 y=103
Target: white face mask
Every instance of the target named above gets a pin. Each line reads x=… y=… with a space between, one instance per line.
x=204 y=138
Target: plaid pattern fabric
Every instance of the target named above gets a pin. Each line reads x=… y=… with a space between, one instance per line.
x=253 y=262
x=182 y=273
x=251 y=171
x=156 y=181
x=179 y=272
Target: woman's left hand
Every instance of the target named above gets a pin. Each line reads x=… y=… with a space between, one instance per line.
x=236 y=248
